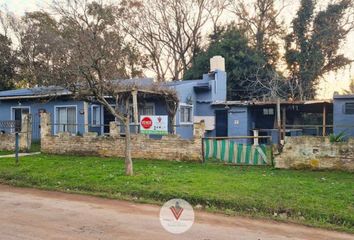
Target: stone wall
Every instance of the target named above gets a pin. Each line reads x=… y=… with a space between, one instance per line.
x=316 y=153
x=170 y=147
x=7 y=140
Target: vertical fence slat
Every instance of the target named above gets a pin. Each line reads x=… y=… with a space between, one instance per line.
x=223 y=149
x=229 y=151
x=215 y=148
x=207 y=148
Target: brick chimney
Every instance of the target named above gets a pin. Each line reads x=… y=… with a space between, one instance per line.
x=217 y=63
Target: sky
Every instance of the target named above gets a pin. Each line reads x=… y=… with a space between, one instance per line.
x=338 y=81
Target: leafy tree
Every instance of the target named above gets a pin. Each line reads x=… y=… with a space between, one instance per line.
x=246 y=68
x=42 y=52
x=312 y=47
x=7 y=63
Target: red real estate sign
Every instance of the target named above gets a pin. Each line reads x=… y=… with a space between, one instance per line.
x=154 y=125
x=146 y=122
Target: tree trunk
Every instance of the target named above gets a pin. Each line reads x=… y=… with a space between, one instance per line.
x=128 y=155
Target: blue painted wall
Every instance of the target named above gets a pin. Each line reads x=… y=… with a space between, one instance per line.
x=188 y=93
x=199 y=93
x=35 y=107
x=341 y=121
x=239 y=122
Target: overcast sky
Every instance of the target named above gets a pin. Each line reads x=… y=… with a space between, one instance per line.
x=334 y=82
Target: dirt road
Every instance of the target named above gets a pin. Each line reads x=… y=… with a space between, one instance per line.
x=33 y=214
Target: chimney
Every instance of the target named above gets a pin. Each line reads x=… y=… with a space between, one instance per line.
x=217 y=63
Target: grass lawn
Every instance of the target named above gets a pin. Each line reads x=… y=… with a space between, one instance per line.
x=4 y=152
x=35 y=147
x=324 y=199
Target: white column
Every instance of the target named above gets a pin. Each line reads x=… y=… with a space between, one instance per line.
x=256 y=139
x=86 y=118
x=135 y=110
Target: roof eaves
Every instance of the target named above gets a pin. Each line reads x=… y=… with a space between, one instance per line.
x=34 y=96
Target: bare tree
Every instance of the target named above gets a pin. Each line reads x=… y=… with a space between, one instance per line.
x=5 y=18
x=272 y=89
x=260 y=20
x=98 y=52
x=170 y=31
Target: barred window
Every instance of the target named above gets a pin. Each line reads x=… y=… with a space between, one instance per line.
x=268 y=111
x=349 y=108
x=186 y=114
x=96 y=115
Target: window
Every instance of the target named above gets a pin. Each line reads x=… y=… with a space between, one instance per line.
x=65 y=119
x=17 y=113
x=96 y=115
x=186 y=114
x=268 y=111
x=147 y=109
x=349 y=108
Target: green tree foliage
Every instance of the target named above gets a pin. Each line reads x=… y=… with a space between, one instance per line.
x=312 y=47
x=247 y=73
x=7 y=63
x=42 y=53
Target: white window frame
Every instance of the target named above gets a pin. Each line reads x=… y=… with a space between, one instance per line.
x=12 y=113
x=19 y=107
x=55 y=117
x=149 y=105
x=345 y=109
x=266 y=111
x=139 y=112
x=100 y=109
x=180 y=114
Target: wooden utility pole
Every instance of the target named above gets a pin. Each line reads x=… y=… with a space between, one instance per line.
x=86 y=117
x=284 y=124
x=278 y=122
x=324 y=121
x=135 y=110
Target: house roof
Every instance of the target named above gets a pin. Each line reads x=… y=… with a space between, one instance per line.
x=313 y=106
x=36 y=92
x=52 y=91
x=265 y=103
x=182 y=82
x=346 y=96
x=135 y=81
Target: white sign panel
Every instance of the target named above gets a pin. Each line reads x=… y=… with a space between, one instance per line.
x=154 y=125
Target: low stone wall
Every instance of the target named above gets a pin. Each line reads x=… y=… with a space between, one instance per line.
x=316 y=153
x=170 y=147
x=7 y=140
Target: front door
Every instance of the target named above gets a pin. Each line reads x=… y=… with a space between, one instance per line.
x=17 y=116
x=108 y=117
x=221 y=123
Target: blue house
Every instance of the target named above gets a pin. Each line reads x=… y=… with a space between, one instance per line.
x=77 y=117
x=343 y=116
x=202 y=99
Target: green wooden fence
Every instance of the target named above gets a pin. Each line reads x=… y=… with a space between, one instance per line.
x=229 y=151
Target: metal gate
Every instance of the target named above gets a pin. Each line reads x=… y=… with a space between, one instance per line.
x=232 y=151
